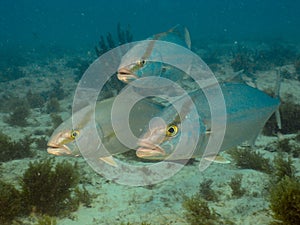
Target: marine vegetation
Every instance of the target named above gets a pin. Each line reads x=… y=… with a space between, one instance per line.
x=285 y=201
x=46 y=220
x=10 y=203
x=18 y=115
x=56 y=120
x=198 y=212
x=243 y=61
x=47 y=188
x=288 y=145
x=290 y=119
x=251 y=60
x=246 y=158
x=142 y=223
x=206 y=191
x=35 y=100
x=283 y=168
x=105 y=44
x=52 y=105
x=236 y=186
x=10 y=149
x=57 y=90
x=41 y=142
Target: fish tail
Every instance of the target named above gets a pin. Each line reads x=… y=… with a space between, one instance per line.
x=276 y=95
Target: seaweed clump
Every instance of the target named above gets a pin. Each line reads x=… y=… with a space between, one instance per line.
x=246 y=158
x=10 y=150
x=10 y=203
x=47 y=188
x=283 y=168
x=105 y=44
x=206 y=191
x=290 y=119
x=35 y=100
x=236 y=186
x=285 y=201
x=198 y=212
x=46 y=220
x=18 y=116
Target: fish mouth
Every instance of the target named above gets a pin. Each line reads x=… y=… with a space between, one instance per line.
x=58 y=149
x=126 y=75
x=148 y=150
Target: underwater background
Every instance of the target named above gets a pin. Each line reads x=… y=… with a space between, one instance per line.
x=46 y=46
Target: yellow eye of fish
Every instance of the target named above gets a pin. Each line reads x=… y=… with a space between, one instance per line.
x=172 y=131
x=74 y=134
x=141 y=63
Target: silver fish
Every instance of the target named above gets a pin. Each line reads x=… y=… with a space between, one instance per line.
x=63 y=139
x=138 y=61
x=247 y=109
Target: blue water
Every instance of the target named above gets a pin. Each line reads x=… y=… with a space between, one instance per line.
x=77 y=24
x=32 y=30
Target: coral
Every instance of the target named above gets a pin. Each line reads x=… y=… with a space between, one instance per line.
x=283 y=168
x=206 y=190
x=10 y=203
x=285 y=201
x=47 y=188
x=10 y=150
x=236 y=186
x=124 y=36
x=18 y=116
x=197 y=211
x=52 y=106
x=246 y=158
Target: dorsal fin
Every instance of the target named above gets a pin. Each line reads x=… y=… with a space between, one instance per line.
x=183 y=33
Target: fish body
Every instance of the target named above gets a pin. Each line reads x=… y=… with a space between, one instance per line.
x=145 y=58
x=247 y=110
x=63 y=139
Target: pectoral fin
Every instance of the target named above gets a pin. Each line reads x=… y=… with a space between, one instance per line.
x=109 y=160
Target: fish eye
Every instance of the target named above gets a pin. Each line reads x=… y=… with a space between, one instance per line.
x=74 y=134
x=172 y=131
x=141 y=62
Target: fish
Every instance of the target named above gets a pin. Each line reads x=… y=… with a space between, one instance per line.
x=247 y=110
x=63 y=140
x=138 y=61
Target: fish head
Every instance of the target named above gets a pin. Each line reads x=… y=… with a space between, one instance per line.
x=142 y=60
x=172 y=135
x=62 y=141
x=159 y=141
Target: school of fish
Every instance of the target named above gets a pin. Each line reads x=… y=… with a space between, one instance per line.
x=247 y=110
